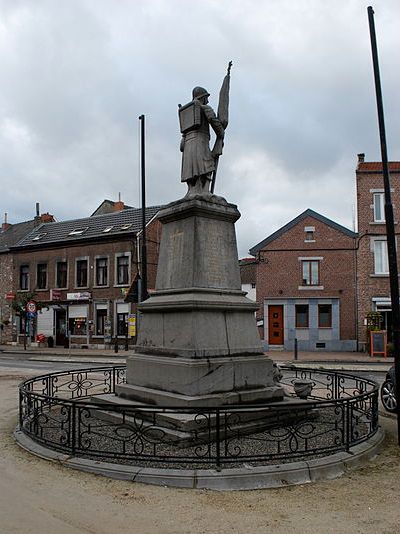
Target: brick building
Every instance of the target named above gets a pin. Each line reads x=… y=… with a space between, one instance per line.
x=10 y=234
x=248 y=275
x=82 y=270
x=373 y=284
x=306 y=276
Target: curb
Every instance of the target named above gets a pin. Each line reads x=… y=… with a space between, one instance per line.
x=242 y=478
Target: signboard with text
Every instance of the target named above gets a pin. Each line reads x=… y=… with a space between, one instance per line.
x=132 y=325
x=83 y=295
x=378 y=342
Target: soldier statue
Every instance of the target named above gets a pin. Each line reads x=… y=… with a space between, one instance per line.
x=199 y=163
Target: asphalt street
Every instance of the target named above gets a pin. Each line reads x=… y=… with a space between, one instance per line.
x=21 y=361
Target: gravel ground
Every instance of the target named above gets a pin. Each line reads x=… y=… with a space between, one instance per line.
x=38 y=497
x=316 y=430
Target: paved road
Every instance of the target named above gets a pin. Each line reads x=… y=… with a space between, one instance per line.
x=25 y=363
x=21 y=361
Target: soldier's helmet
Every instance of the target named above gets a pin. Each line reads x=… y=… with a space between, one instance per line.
x=198 y=92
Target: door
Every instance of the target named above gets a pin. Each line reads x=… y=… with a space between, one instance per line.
x=275 y=325
x=61 y=327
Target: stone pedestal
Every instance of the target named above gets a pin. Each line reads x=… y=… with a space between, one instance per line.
x=198 y=342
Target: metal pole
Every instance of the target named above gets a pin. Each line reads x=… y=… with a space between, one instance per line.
x=390 y=230
x=143 y=274
x=296 y=353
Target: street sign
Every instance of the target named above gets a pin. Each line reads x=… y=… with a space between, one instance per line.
x=31 y=307
x=10 y=296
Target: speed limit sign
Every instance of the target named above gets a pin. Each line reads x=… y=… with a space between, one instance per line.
x=31 y=306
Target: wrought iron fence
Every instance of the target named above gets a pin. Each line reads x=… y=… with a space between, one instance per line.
x=63 y=411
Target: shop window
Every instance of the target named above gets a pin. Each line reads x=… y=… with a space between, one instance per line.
x=301 y=315
x=78 y=326
x=310 y=273
x=41 y=275
x=325 y=315
x=81 y=273
x=122 y=270
x=101 y=271
x=24 y=277
x=61 y=274
x=101 y=317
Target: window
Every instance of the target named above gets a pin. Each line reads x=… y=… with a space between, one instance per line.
x=81 y=273
x=310 y=273
x=101 y=271
x=309 y=231
x=301 y=315
x=101 y=316
x=325 y=315
x=78 y=326
x=24 y=277
x=61 y=274
x=379 y=207
x=122 y=324
x=41 y=275
x=381 y=257
x=79 y=231
x=39 y=236
x=122 y=270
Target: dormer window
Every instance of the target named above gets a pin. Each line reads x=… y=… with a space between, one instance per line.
x=309 y=231
x=39 y=236
x=79 y=231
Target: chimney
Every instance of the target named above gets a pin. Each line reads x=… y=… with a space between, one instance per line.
x=46 y=217
x=5 y=224
x=361 y=158
x=119 y=205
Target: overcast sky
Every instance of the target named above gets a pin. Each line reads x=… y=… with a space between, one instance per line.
x=76 y=74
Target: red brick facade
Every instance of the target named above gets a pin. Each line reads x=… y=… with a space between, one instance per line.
x=372 y=273
x=282 y=258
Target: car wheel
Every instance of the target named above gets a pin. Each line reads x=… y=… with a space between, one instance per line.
x=388 y=396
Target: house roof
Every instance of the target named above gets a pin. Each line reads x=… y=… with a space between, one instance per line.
x=247 y=268
x=296 y=220
x=376 y=166
x=107 y=206
x=14 y=233
x=125 y=222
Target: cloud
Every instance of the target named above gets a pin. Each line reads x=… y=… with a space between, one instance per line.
x=76 y=75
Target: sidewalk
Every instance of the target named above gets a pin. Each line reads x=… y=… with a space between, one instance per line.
x=331 y=360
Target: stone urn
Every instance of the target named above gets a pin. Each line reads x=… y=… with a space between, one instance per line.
x=302 y=387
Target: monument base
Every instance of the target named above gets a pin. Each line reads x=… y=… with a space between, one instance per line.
x=164 y=380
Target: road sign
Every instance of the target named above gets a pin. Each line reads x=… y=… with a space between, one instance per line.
x=31 y=306
x=10 y=296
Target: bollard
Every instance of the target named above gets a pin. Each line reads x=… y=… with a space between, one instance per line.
x=116 y=345
x=296 y=356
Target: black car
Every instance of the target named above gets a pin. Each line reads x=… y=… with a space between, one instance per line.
x=388 y=391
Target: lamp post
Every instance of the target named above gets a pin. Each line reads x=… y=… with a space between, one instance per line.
x=390 y=231
x=143 y=274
